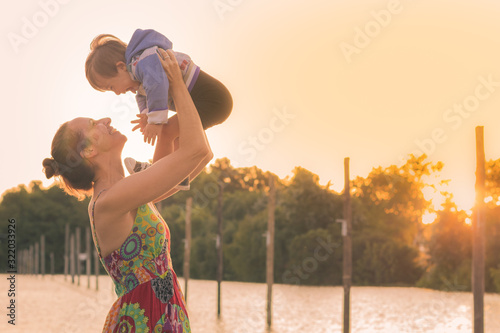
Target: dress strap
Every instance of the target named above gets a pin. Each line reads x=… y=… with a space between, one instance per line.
x=94 y=234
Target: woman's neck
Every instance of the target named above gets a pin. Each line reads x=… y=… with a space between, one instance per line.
x=107 y=175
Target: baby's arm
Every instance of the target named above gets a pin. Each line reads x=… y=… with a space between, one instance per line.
x=155 y=82
x=151 y=132
x=142 y=103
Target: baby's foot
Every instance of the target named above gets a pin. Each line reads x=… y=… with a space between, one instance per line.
x=134 y=166
x=184 y=185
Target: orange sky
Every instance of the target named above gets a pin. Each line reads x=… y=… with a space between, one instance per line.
x=312 y=81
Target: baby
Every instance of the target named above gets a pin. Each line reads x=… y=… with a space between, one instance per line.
x=115 y=66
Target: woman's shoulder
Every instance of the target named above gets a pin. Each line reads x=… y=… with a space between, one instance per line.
x=101 y=204
x=93 y=201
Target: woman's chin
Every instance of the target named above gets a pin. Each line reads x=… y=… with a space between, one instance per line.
x=122 y=140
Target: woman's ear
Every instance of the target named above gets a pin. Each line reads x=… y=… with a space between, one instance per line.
x=88 y=152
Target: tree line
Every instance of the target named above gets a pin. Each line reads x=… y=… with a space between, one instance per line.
x=391 y=245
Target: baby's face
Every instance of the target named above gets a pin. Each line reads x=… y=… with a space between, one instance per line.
x=120 y=83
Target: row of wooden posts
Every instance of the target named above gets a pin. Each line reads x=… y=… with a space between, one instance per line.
x=29 y=258
x=32 y=259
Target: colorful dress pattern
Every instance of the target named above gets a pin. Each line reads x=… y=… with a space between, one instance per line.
x=150 y=298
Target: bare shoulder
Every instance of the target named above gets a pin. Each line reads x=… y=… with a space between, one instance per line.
x=102 y=208
x=112 y=228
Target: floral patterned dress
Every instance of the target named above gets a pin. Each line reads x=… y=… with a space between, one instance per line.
x=150 y=298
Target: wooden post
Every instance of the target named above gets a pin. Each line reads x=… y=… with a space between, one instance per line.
x=478 y=230
x=187 y=246
x=219 y=248
x=66 y=251
x=77 y=254
x=87 y=261
x=270 y=247
x=347 y=261
x=42 y=255
x=72 y=257
x=37 y=258
x=25 y=261
x=96 y=269
x=32 y=261
x=52 y=264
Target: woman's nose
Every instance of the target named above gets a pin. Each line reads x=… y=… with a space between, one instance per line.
x=105 y=121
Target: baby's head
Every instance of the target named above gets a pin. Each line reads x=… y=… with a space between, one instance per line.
x=105 y=67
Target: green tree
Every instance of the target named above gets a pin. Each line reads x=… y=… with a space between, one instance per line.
x=492 y=228
x=386 y=262
x=39 y=211
x=393 y=198
x=246 y=253
x=387 y=222
x=315 y=258
x=450 y=251
x=303 y=207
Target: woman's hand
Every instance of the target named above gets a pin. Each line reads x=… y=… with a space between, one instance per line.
x=170 y=65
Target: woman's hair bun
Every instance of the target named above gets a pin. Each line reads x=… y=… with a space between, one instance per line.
x=50 y=167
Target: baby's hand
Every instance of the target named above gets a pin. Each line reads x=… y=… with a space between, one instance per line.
x=151 y=132
x=141 y=122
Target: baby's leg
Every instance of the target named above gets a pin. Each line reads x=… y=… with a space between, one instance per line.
x=212 y=100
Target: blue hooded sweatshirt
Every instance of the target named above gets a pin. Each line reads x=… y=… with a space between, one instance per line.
x=144 y=66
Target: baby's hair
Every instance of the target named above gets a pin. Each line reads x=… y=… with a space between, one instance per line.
x=76 y=172
x=105 y=51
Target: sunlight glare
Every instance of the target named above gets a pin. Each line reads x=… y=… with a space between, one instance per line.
x=428 y=218
x=433 y=195
x=464 y=199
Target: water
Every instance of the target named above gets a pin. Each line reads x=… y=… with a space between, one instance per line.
x=319 y=309
x=52 y=304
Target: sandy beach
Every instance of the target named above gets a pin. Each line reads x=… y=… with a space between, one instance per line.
x=53 y=304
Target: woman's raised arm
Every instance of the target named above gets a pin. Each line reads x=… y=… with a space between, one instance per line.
x=152 y=183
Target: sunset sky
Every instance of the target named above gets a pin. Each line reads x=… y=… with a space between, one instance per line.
x=312 y=81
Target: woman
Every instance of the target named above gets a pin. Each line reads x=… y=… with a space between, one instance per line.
x=131 y=237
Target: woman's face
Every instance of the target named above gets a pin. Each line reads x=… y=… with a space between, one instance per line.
x=99 y=134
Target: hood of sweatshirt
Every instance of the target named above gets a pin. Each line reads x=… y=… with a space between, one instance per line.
x=144 y=39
